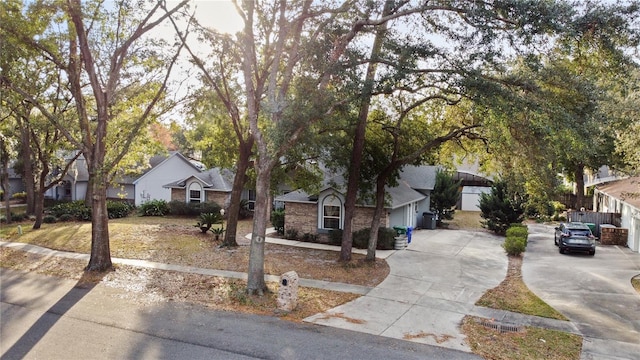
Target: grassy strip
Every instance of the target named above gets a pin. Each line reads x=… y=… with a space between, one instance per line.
x=513 y=295
x=531 y=343
x=635 y=282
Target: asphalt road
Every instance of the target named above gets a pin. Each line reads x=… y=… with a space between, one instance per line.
x=50 y=318
x=594 y=292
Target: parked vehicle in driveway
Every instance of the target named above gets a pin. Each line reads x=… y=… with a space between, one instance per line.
x=574 y=236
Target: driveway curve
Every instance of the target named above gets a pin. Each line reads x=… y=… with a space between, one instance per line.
x=594 y=292
x=432 y=285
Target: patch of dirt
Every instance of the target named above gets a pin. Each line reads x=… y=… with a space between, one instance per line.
x=439 y=339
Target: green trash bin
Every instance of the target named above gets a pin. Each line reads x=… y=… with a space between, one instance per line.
x=592 y=227
x=400 y=230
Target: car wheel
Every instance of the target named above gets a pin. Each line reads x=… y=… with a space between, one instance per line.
x=592 y=252
x=561 y=249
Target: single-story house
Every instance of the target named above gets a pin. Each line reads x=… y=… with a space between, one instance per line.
x=213 y=185
x=622 y=197
x=322 y=212
x=148 y=186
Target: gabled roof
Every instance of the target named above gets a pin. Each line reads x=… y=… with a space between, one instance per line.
x=627 y=190
x=213 y=180
x=415 y=178
x=156 y=162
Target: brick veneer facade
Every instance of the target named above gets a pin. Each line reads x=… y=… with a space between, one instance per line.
x=179 y=194
x=217 y=197
x=303 y=217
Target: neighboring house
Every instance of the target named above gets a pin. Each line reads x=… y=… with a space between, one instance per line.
x=473 y=184
x=15 y=183
x=213 y=185
x=148 y=186
x=622 y=197
x=322 y=212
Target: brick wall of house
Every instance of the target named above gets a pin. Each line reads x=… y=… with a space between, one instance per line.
x=301 y=217
x=304 y=219
x=362 y=218
x=219 y=198
x=179 y=194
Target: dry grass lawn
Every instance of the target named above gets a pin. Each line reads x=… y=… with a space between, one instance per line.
x=177 y=241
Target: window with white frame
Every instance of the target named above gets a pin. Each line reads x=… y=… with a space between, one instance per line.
x=331 y=212
x=194 y=193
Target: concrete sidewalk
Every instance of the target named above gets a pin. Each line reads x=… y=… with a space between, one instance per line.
x=432 y=285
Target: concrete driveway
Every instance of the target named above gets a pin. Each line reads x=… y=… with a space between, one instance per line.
x=595 y=293
x=432 y=285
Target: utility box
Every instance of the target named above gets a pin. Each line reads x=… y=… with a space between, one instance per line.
x=429 y=220
x=288 y=291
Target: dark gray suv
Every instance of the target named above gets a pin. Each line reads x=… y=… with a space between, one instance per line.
x=575 y=236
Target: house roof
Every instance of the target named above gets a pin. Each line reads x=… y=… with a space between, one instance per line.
x=419 y=177
x=415 y=178
x=627 y=190
x=213 y=180
x=155 y=162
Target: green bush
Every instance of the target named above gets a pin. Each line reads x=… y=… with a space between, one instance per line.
x=501 y=207
x=154 y=208
x=181 y=208
x=518 y=231
x=309 y=237
x=77 y=209
x=49 y=219
x=291 y=234
x=66 y=217
x=118 y=209
x=19 y=195
x=386 y=239
x=277 y=220
x=335 y=237
x=514 y=246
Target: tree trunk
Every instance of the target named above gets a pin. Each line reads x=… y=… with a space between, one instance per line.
x=27 y=169
x=236 y=194
x=375 y=222
x=358 y=141
x=255 y=281
x=39 y=199
x=5 y=185
x=100 y=251
x=579 y=175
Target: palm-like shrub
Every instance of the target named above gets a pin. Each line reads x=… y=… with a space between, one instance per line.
x=208 y=219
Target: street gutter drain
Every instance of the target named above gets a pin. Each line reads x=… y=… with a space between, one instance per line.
x=502 y=328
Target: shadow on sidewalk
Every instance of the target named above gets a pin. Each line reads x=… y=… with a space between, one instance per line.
x=41 y=327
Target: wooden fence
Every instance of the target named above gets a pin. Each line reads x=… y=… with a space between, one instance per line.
x=596 y=218
x=571 y=201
